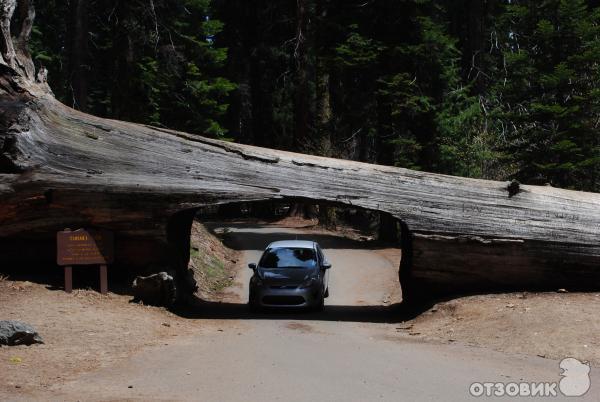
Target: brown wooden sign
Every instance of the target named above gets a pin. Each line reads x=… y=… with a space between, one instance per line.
x=85 y=247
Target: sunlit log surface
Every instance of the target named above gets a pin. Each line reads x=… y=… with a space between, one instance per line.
x=62 y=168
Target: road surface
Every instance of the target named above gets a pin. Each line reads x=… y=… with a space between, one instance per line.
x=351 y=352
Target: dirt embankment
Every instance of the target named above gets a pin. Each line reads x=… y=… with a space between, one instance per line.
x=213 y=264
x=550 y=325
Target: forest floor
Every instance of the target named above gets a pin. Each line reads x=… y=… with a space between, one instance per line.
x=85 y=331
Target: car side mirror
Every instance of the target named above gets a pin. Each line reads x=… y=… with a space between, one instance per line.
x=252 y=266
x=326 y=265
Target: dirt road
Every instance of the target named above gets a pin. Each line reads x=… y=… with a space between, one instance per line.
x=351 y=352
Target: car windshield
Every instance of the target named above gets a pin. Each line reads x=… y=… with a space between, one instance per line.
x=288 y=257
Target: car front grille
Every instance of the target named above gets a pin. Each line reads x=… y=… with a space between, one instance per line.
x=283 y=300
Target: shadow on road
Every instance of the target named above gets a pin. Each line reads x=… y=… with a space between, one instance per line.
x=396 y=313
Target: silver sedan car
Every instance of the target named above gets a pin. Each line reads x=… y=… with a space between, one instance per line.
x=290 y=273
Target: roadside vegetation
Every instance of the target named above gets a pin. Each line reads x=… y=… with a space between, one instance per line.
x=213 y=263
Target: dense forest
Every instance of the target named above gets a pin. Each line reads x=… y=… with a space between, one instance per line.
x=498 y=89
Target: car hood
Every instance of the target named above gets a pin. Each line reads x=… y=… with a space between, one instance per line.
x=285 y=276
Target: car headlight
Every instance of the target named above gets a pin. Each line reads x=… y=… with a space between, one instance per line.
x=308 y=283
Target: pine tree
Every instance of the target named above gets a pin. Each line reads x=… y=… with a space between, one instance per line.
x=546 y=97
x=153 y=63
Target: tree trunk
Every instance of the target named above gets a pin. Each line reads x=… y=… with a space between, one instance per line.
x=78 y=53
x=122 y=64
x=323 y=97
x=303 y=210
x=63 y=168
x=327 y=216
x=301 y=105
x=388 y=228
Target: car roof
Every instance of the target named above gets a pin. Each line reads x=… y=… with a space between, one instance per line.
x=292 y=243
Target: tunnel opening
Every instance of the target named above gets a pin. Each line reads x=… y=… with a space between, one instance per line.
x=350 y=234
x=158 y=240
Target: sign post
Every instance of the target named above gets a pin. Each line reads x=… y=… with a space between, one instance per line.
x=85 y=247
x=103 y=280
x=68 y=279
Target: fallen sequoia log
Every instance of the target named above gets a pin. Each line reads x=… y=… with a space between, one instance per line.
x=63 y=168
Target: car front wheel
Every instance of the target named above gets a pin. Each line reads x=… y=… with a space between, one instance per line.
x=252 y=302
x=320 y=306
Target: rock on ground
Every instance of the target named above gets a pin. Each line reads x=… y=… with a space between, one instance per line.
x=18 y=333
x=157 y=290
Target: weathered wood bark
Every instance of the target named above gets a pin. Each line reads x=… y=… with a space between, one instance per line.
x=63 y=168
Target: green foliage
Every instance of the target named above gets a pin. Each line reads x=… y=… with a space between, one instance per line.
x=157 y=65
x=545 y=101
x=435 y=117
x=357 y=51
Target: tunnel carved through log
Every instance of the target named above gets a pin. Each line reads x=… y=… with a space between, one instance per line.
x=63 y=168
